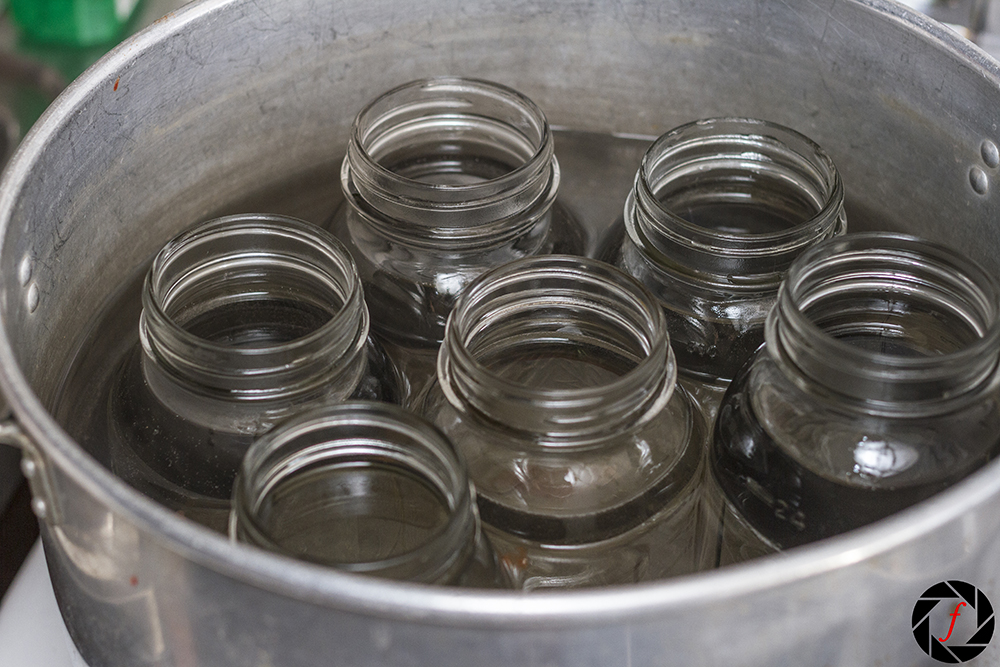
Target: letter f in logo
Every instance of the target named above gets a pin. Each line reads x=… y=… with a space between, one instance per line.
x=954 y=617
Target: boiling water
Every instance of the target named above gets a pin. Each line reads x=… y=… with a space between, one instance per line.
x=251 y=323
x=454 y=168
x=732 y=206
x=551 y=365
x=597 y=173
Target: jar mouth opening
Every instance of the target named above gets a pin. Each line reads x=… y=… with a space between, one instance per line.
x=715 y=163
x=544 y=289
x=451 y=157
x=889 y=317
x=447 y=111
x=352 y=439
x=245 y=261
x=524 y=337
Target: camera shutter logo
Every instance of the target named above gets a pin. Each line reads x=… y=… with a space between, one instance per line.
x=964 y=599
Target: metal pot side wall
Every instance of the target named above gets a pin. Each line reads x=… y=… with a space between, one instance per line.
x=227 y=99
x=131 y=598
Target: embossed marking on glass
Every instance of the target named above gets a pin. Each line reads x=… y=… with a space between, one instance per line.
x=877 y=387
x=557 y=382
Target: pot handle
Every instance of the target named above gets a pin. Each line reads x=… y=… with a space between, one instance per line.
x=35 y=467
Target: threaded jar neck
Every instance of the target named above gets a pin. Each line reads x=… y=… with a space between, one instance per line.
x=451 y=162
x=732 y=201
x=564 y=350
x=254 y=309
x=363 y=487
x=888 y=324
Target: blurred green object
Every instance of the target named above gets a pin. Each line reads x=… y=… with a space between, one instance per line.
x=72 y=22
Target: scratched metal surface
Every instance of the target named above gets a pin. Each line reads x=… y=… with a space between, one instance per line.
x=228 y=98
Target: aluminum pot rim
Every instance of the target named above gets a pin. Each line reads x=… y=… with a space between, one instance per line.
x=427 y=604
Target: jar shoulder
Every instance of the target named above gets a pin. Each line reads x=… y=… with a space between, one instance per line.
x=411 y=288
x=841 y=440
x=525 y=470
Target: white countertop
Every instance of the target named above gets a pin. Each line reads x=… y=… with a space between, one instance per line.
x=32 y=633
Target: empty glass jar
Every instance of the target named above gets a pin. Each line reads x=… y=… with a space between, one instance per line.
x=557 y=382
x=364 y=487
x=719 y=210
x=877 y=387
x=443 y=179
x=245 y=320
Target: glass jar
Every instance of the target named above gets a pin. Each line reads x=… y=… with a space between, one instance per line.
x=557 y=382
x=245 y=320
x=364 y=487
x=719 y=210
x=444 y=179
x=876 y=388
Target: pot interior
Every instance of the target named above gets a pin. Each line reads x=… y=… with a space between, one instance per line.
x=226 y=107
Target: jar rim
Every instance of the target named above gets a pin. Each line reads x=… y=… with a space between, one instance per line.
x=646 y=387
x=535 y=163
x=323 y=423
x=745 y=127
x=294 y=228
x=716 y=159
x=796 y=340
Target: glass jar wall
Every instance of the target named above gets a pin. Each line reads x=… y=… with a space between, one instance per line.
x=364 y=487
x=719 y=210
x=877 y=387
x=557 y=382
x=443 y=179
x=245 y=320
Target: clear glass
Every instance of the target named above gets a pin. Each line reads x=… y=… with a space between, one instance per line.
x=719 y=210
x=245 y=320
x=557 y=382
x=876 y=388
x=444 y=179
x=364 y=487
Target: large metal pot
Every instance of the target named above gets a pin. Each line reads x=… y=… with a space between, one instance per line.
x=229 y=102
